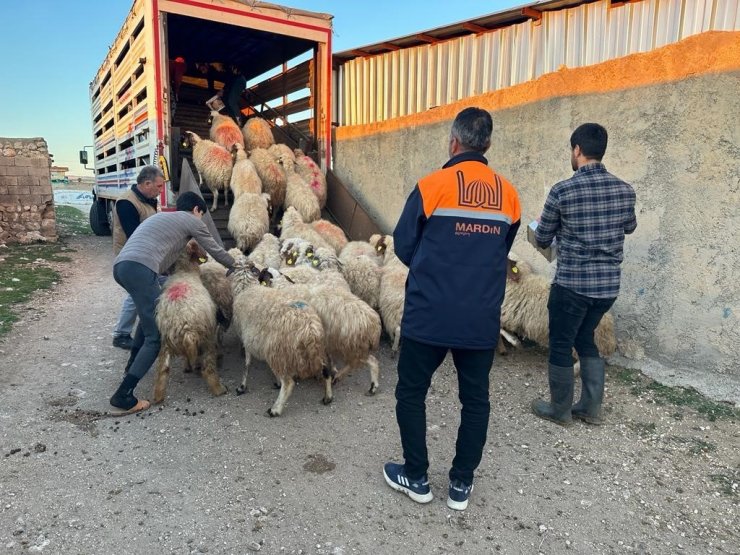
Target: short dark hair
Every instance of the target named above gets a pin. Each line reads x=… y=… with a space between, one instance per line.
x=187 y=201
x=472 y=128
x=149 y=173
x=592 y=139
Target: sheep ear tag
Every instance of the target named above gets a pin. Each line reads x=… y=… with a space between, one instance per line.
x=315 y=262
x=309 y=254
x=263 y=283
x=202 y=260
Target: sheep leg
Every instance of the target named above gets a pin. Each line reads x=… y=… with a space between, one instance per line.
x=328 y=379
x=372 y=363
x=243 y=386
x=396 y=339
x=210 y=374
x=215 y=199
x=163 y=374
x=226 y=197
x=511 y=338
x=286 y=389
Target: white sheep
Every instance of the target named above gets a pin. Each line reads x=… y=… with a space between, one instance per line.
x=213 y=276
x=186 y=318
x=277 y=326
x=351 y=327
x=311 y=174
x=244 y=176
x=524 y=311
x=284 y=156
x=332 y=234
x=249 y=219
x=214 y=165
x=271 y=174
x=299 y=196
x=225 y=131
x=267 y=252
x=362 y=271
x=293 y=226
x=392 y=288
x=257 y=134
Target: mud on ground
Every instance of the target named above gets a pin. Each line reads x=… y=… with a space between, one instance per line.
x=215 y=475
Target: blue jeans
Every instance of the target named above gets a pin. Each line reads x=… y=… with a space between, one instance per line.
x=573 y=319
x=143 y=286
x=417 y=363
x=127 y=318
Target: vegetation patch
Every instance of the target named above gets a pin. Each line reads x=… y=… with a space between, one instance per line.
x=660 y=394
x=71 y=221
x=727 y=482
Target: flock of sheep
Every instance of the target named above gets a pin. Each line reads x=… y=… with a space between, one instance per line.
x=309 y=303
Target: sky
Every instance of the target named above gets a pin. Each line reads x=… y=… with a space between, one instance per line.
x=52 y=50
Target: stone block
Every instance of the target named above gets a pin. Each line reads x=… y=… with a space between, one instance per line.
x=35 y=200
x=19 y=190
x=23 y=161
x=3 y=190
x=7 y=160
x=17 y=171
x=9 y=181
x=7 y=151
x=48 y=224
x=40 y=163
x=28 y=181
x=40 y=172
x=33 y=226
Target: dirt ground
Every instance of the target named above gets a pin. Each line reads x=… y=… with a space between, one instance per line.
x=216 y=475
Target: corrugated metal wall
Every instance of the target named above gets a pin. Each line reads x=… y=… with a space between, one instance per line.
x=415 y=79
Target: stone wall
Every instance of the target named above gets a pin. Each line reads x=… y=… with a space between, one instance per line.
x=675 y=140
x=26 y=199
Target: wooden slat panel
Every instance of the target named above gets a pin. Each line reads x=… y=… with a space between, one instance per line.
x=300 y=105
x=295 y=79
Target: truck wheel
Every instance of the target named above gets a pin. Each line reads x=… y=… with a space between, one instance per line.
x=99 y=219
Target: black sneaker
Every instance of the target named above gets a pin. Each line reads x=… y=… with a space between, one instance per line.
x=459 y=495
x=418 y=490
x=123 y=342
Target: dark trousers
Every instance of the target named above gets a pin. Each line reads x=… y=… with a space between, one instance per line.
x=573 y=319
x=417 y=363
x=143 y=286
x=232 y=97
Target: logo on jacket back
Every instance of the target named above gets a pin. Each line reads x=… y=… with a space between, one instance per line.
x=479 y=193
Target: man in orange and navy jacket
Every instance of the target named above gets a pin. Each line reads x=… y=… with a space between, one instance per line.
x=454 y=234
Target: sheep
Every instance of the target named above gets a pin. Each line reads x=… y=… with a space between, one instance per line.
x=186 y=318
x=293 y=226
x=277 y=326
x=524 y=311
x=249 y=219
x=244 y=176
x=213 y=163
x=361 y=271
x=213 y=276
x=257 y=134
x=351 y=327
x=267 y=252
x=299 y=196
x=225 y=131
x=332 y=234
x=284 y=156
x=271 y=174
x=323 y=264
x=392 y=288
x=311 y=174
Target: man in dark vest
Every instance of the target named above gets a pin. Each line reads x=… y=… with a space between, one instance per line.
x=135 y=206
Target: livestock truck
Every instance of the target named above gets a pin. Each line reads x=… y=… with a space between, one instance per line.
x=163 y=45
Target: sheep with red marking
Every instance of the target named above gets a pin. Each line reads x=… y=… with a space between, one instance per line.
x=244 y=176
x=271 y=174
x=186 y=318
x=311 y=174
x=225 y=131
x=257 y=134
x=214 y=165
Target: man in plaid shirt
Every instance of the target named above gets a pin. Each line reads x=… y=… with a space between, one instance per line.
x=590 y=213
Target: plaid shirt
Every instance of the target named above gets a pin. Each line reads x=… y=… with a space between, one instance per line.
x=590 y=213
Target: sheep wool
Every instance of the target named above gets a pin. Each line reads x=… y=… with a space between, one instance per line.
x=299 y=196
x=225 y=131
x=284 y=156
x=271 y=174
x=249 y=220
x=362 y=273
x=257 y=134
x=267 y=252
x=280 y=328
x=186 y=318
x=311 y=174
x=293 y=226
x=213 y=276
x=244 y=176
x=214 y=164
x=332 y=234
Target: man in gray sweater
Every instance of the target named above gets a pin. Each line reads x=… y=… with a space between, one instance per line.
x=150 y=251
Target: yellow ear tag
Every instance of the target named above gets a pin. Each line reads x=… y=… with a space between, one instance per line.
x=202 y=260
x=378 y=248
x=263 y=283
x=315 y=262
x=289 y=262
x=309 y=254
x=515 y=270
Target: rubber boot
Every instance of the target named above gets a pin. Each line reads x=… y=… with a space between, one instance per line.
x=588 y=408
x=124 y=398
x=561 y=394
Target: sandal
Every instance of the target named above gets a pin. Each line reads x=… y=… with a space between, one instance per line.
x=141 y=405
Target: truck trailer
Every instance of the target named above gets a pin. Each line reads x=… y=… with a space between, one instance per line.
x=169 y=58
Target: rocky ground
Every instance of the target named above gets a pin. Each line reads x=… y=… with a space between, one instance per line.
x=215 y=475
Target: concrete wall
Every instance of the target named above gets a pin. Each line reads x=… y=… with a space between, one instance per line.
x=26 y=201
x=676 y=142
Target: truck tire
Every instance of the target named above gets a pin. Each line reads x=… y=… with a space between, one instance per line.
x=99 y=218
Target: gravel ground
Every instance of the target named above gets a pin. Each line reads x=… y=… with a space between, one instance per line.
x=215 y=475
